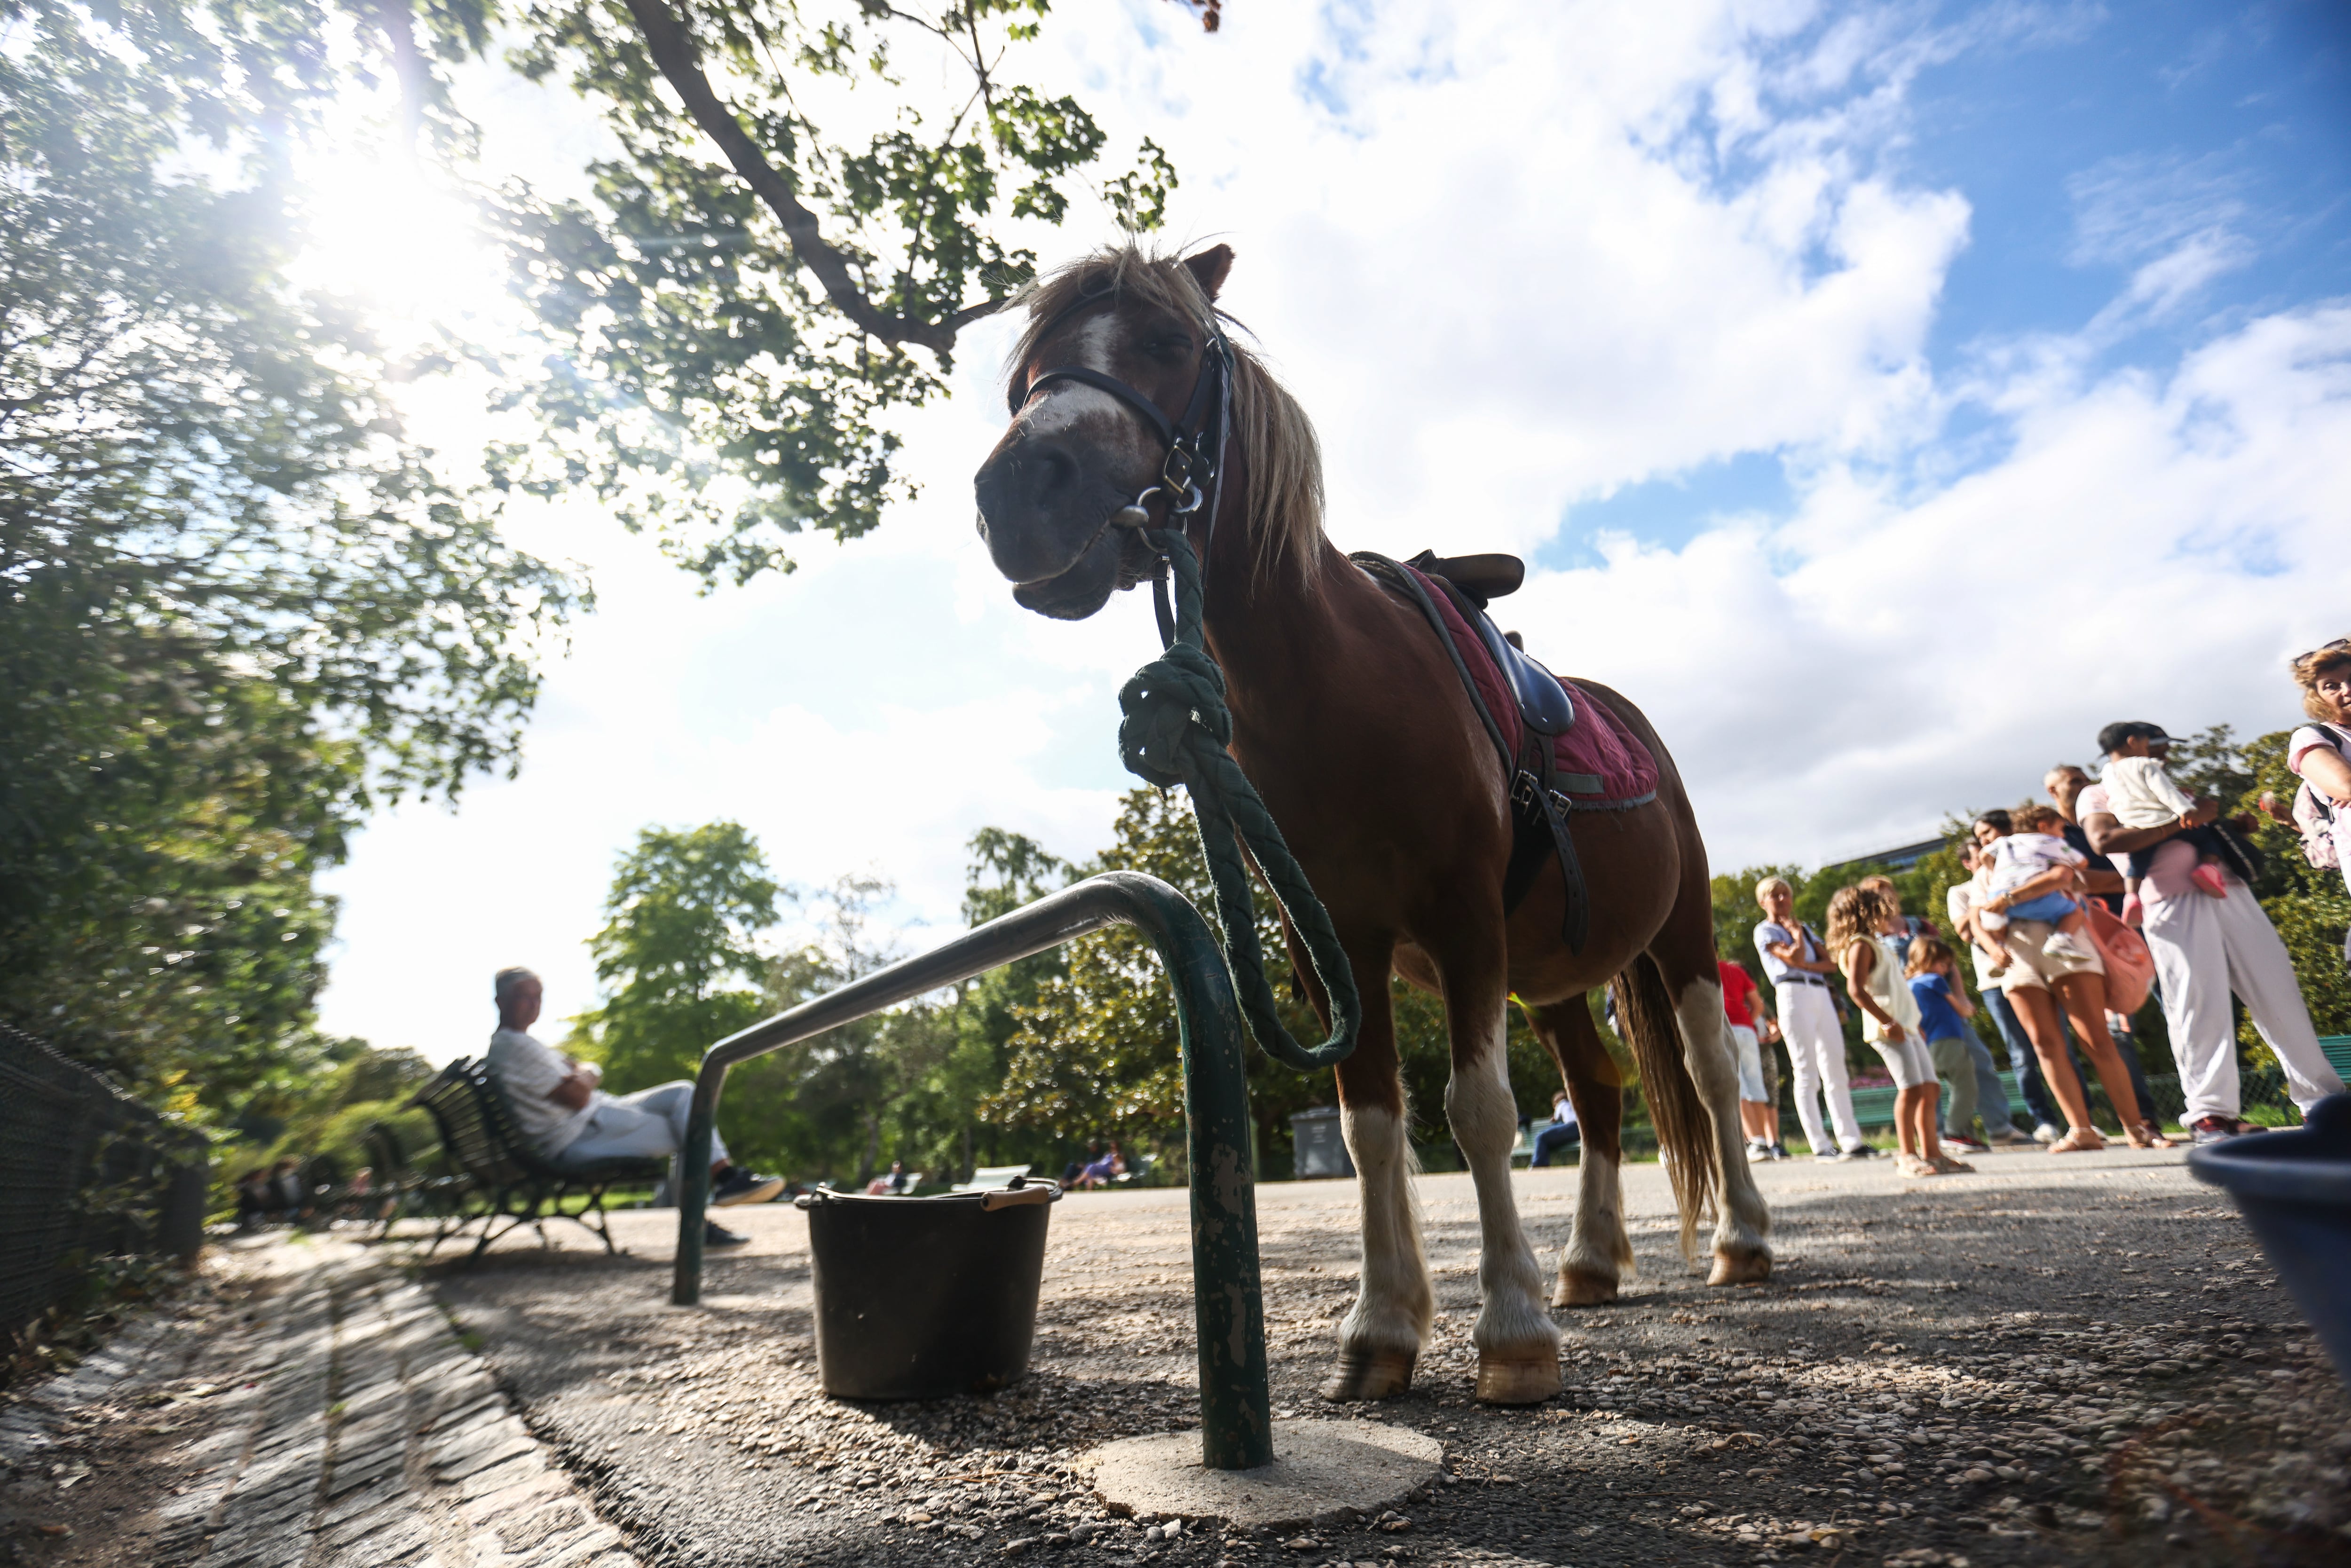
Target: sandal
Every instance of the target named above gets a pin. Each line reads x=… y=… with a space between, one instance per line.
x=1912 y=1165
x=1949 y=1167
x=2079 y=1141
x=2145 y=1136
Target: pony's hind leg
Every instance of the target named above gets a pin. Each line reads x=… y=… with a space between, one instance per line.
x=1380 y=1336
x=1684 y=953
x=1598 y=1252
x=1518 y=1344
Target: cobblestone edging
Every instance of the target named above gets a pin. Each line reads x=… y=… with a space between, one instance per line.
x=348 y=1428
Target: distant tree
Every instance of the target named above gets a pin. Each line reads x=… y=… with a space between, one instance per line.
x=679 y=960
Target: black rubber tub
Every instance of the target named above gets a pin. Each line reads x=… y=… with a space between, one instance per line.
x=918 y=1298
x=2294 y=1190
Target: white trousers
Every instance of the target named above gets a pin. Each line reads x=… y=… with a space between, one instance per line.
x=1808 y=1023
x=2205 y=948
x=650 y=1122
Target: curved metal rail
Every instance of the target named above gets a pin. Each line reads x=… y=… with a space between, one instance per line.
x=1236 y=1417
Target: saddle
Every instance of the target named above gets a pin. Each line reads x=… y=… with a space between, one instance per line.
x=1538 y=821
x=1544 y=705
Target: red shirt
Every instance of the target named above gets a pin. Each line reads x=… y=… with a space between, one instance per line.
x=1735 y=988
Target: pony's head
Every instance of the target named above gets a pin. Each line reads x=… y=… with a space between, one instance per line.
x=1075 y=456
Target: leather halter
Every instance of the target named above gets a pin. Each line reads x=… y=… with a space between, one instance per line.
x=1194 y=443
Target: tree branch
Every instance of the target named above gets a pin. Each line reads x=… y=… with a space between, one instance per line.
x=673 y=52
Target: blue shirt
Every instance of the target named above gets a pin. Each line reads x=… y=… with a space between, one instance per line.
x=1775 y=968
x=1938 y=1019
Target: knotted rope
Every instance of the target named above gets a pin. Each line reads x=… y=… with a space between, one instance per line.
x=1174 y=732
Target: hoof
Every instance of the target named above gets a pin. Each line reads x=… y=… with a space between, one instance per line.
x=1741 y=1268
x=1370 y=1374
x=1517 y=1382
x=1578 y=1289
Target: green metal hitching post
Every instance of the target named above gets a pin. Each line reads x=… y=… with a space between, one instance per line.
x=1228 y=1302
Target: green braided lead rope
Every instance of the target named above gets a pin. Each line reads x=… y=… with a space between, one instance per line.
x=1175 y=731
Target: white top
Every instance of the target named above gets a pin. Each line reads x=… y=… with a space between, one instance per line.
x=528 y=1070
x=1562 y=1111
x=2140 y=794
x=2018 y=858
x=2310 y=738
x=1963 y=897
x=1887 y=986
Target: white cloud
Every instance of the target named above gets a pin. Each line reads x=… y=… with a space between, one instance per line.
x=1510 y=259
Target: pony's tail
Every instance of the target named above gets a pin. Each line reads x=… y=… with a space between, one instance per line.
x=1685 y=1131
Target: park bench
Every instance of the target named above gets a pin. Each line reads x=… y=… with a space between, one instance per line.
x=988 y=1176
x=405 y=1188
x=1523 y=1153
x=509 y=1179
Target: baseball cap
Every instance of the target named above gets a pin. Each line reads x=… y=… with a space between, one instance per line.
x=2110 y=738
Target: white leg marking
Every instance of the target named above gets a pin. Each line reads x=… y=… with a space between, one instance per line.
x=1713 y=1062
x=1514 y=1323
x=1394 y=1302
x=1597 y=1249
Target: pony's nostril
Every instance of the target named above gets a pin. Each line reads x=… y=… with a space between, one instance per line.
x=1048 y=470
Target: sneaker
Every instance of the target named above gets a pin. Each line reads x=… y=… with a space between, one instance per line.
x=716 y=1235
x=2047 y=1133
x=739 y=1186
x=1861 y=1152
x=1834 y=1156
x=1757 y=1149
x=2006 y=1138
x=2066 y=945
x=2219 y=1129
x=1965 y=1146
x=1779 y=1152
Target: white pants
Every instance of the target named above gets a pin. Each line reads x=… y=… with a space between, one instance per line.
x=649 y=1123
x=2206 y=948
x=1808 y=1023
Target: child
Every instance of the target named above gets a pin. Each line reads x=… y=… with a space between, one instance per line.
x=1861 y=921
x=2031 y=852
x=1941 y=1006
x=2142 y=795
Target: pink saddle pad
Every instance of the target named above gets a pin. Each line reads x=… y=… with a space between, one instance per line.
x=1603 y=765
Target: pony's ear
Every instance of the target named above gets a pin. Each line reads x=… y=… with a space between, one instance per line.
x=1210 y=266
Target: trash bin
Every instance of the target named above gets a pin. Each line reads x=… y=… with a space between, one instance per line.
x=1318 y=1146
x=918 y=1298
x=2295 y=1191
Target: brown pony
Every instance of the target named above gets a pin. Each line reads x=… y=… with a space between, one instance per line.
x=1351 y=720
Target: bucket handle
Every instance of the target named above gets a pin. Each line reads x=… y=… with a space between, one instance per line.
x=1007 y=1197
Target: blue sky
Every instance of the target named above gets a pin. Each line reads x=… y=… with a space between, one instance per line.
x=1886 y=397
x=2087 y=141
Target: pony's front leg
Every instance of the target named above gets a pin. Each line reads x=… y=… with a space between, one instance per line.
x=1598 y=1252
x=1518 y=1344
x=1380 y=1336
x=1742 y=1255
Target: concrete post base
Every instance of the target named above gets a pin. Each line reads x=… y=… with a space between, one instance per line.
x=1322 y=1472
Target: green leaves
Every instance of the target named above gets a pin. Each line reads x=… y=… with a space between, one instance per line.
x=731 y=338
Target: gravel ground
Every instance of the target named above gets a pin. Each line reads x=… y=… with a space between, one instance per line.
x=2055 y=1358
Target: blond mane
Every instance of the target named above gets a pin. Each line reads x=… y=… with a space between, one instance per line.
x=1284 y=457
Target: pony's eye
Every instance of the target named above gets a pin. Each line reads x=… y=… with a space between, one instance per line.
x=1168 y=346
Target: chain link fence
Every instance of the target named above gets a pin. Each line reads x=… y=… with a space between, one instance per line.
x=89 y=1180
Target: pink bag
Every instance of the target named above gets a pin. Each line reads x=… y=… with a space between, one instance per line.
x=2130 y=965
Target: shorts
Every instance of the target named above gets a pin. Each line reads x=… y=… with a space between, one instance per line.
x=2031 y=967
x=1750 y=1062
x=1908 y=1060
x=2051 y=907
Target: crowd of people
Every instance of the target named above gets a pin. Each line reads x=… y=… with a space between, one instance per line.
x=2073 y=912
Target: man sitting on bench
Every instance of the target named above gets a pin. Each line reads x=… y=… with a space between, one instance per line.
x=572 y=1122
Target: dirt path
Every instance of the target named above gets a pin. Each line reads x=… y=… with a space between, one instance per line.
x=2055 y=1359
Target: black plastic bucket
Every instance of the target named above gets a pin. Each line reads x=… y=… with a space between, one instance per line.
x=918 y=1298
x=2294 y=1190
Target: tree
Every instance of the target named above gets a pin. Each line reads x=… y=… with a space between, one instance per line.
x=240 y=609
x=754 y=286
x=679 y=957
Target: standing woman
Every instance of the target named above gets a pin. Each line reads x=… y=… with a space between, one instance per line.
x=2320 y=751
x=1863 y=924
x=2038 y=982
